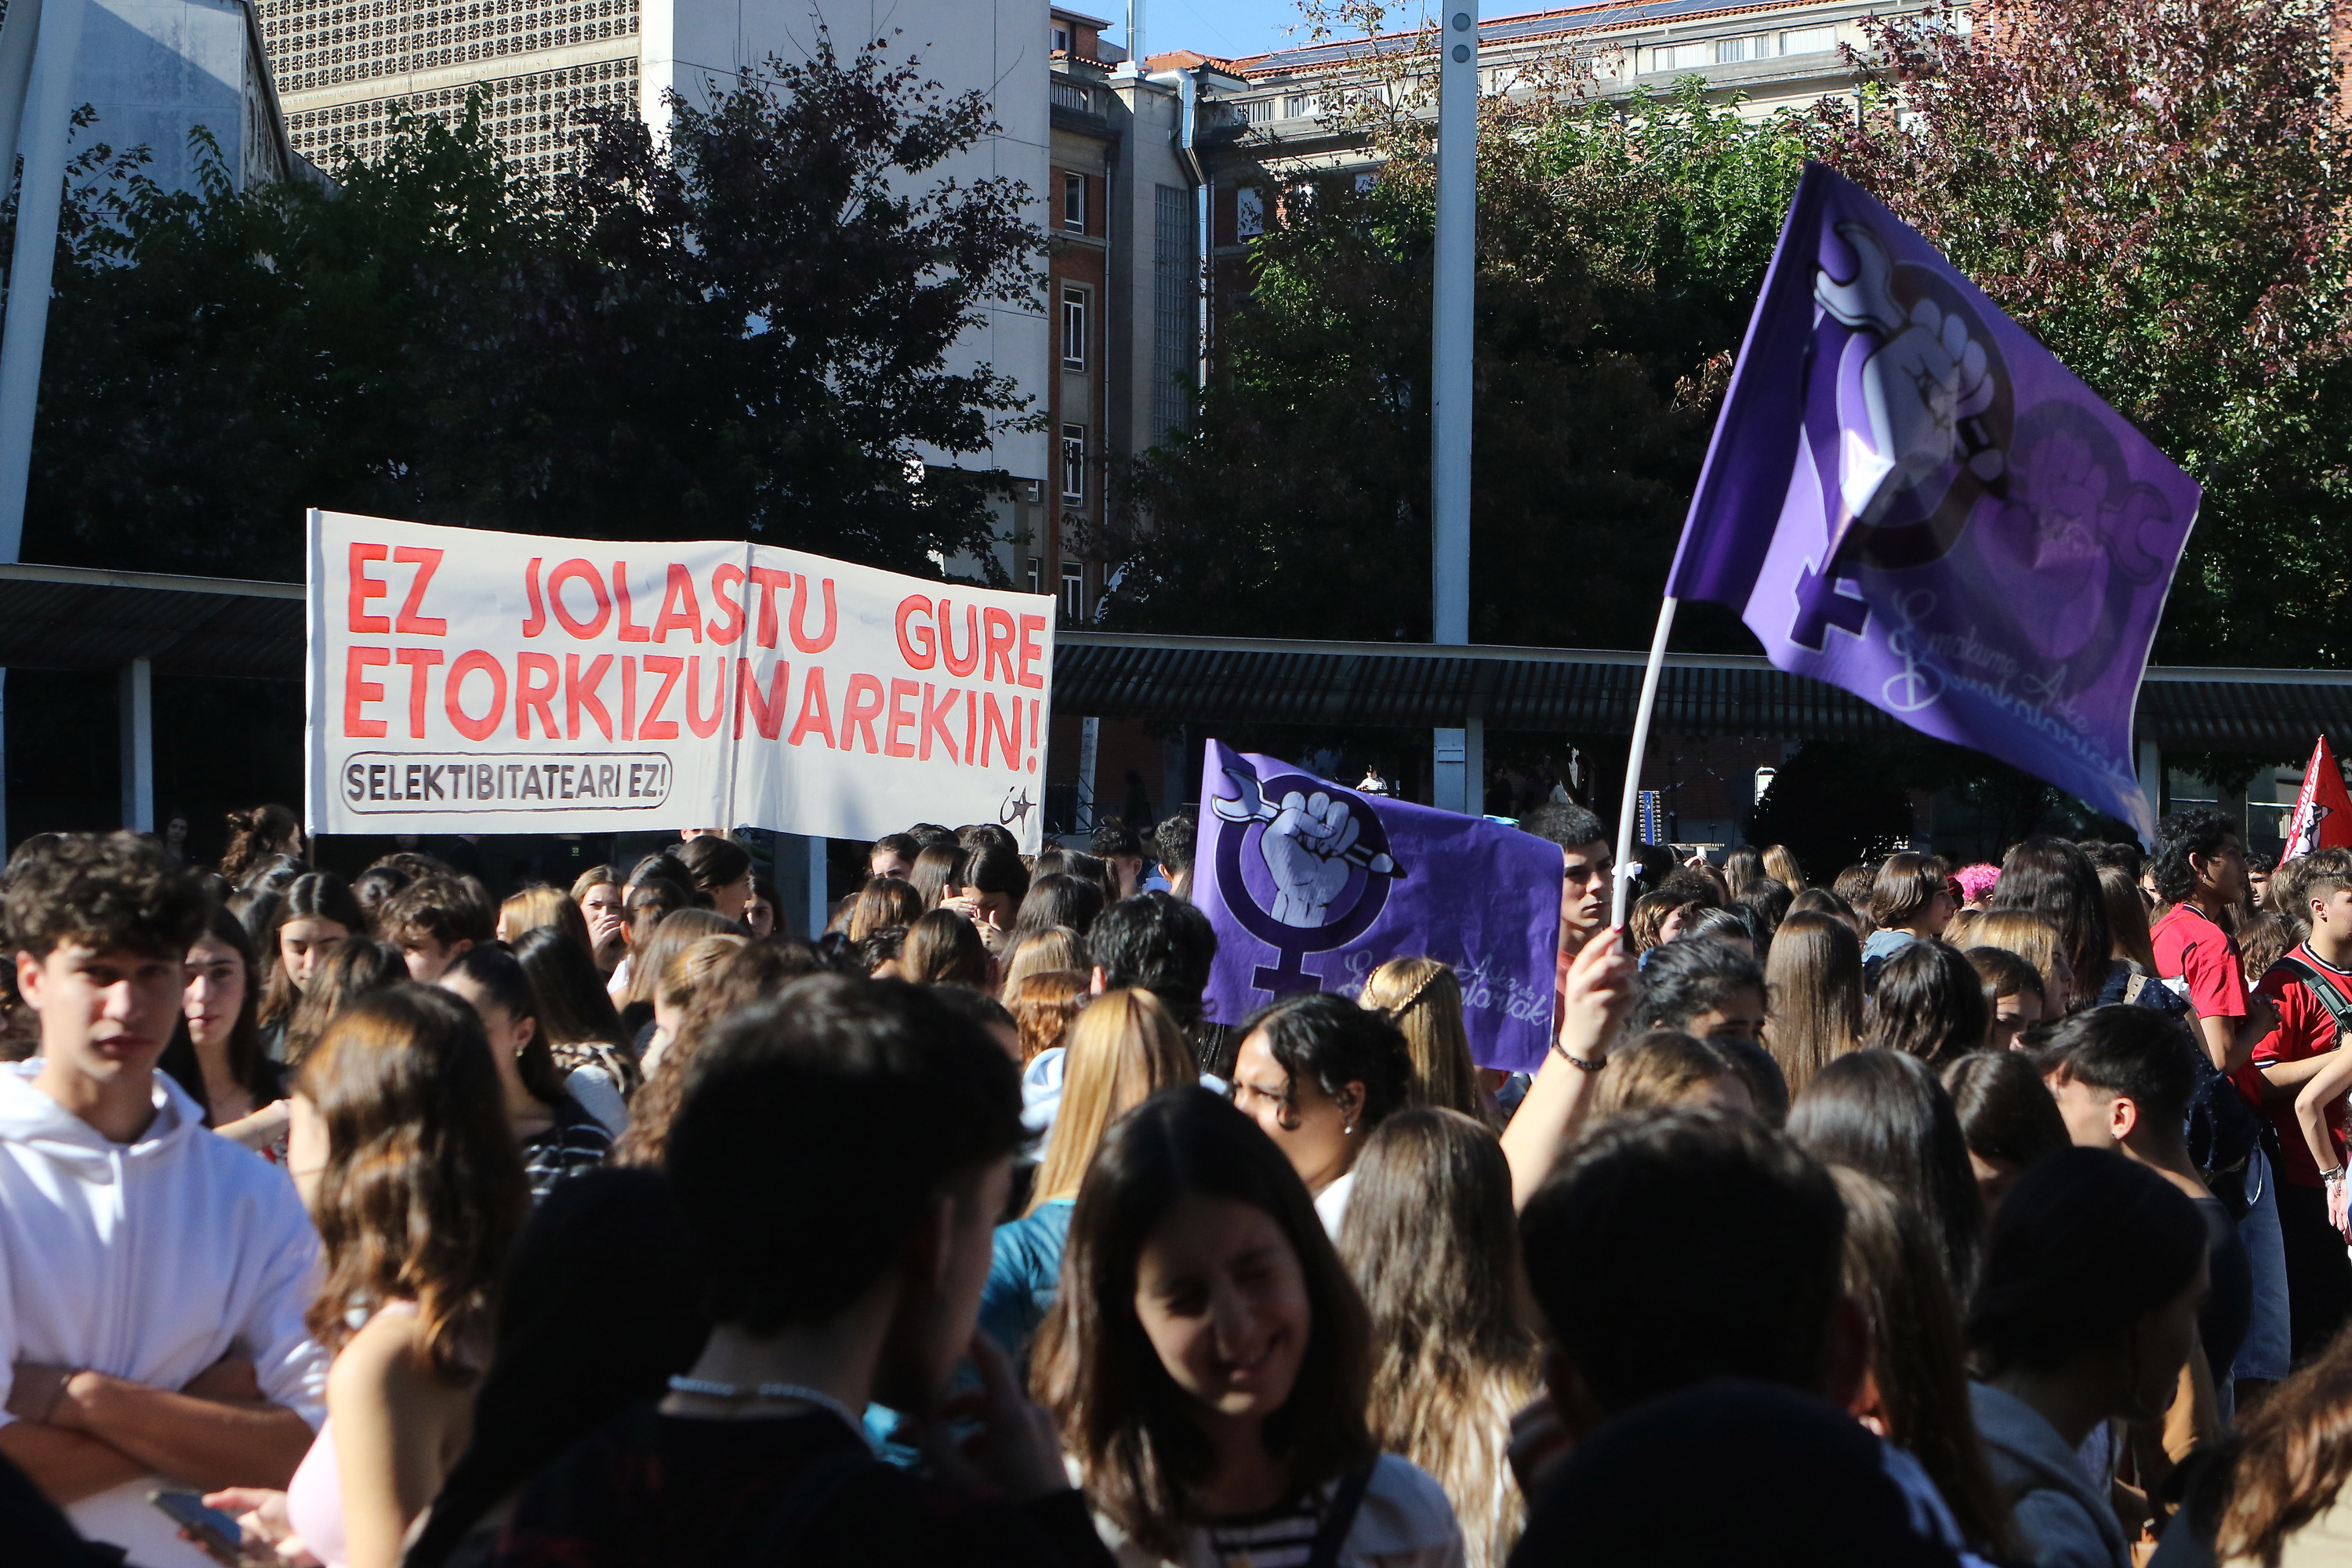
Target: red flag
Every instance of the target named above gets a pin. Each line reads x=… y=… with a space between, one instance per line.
x=2323 y=812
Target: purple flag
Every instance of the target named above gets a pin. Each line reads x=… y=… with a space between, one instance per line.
x=1311 y=887
x=1909 y=498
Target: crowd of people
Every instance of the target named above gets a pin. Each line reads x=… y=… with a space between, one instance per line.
x=1923 y=1213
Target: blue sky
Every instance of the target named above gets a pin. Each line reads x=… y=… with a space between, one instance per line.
x=1244 y=26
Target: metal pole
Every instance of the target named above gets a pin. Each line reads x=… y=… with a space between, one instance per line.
x=137 y=712
x=1449 y=397
x=48 y=126
x=1089 y=739
x=1135 y=32
x=1631 y=806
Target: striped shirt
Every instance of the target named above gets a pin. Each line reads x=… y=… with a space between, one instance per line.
x=1283 y=1537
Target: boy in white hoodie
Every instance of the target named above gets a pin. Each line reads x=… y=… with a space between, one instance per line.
x=153 y=1276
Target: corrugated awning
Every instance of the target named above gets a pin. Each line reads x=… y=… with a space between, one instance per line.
x=1592 y=691
x=69 y=617
x=75 y=619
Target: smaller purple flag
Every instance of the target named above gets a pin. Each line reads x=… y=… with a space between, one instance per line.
x=1909 y=498
x=1311 y=887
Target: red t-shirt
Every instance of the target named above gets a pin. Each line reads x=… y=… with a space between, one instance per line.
x=2306 y=1029
x=2197 y=957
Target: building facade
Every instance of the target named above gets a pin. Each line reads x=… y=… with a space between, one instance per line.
x=343 y=66
x=153 y=72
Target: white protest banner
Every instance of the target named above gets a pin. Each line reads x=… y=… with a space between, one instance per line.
x=468 y=681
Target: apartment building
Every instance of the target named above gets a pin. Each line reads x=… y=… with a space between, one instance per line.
x=1128 y=221
x=1269 y=119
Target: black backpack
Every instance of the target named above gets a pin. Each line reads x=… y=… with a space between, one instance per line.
x=2223 y=1131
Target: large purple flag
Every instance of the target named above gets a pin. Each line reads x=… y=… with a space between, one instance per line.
x=1909 y=498
x=1311 y=887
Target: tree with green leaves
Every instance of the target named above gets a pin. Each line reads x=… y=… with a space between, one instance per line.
x=744 y=329
x=1619 y=248
x=2158 y=193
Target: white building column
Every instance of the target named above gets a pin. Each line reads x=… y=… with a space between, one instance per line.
x=1450 y=770
x=2151 y=776
x=137 y=714
x=1474 y=767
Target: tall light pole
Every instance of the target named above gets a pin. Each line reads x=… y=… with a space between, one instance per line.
x=1457 y=786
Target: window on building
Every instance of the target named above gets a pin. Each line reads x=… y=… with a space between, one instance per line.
x=1074 y=462
x=1036 y=575
x=1680 y=57
x=1062 y=40
x=1808 y=40
x=1730 y=51
x=1074 y=591
x=1074 y=203
x=1249 y=213
x=1074 y=328
x=1298 y=106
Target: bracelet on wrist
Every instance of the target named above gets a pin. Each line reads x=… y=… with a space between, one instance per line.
x=1582 y=1064
x=2334 y=1175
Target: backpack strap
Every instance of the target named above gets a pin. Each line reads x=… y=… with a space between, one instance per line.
x=808 y=1494
x=1340 y=1518
x=2331 y=996
x=2134 y=986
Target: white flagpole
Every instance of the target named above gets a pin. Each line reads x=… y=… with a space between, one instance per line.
x=1633 y=801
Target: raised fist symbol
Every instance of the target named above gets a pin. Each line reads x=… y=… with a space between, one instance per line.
x=1926 y=376
x=1306 y=847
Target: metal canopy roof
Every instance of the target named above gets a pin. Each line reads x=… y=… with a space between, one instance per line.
x=1592 y=691
x=72 y=617
x=1494 y=30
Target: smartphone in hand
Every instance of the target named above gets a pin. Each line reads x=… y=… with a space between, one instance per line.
x=214 y=1534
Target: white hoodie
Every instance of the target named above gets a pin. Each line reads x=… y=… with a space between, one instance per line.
x=150 y=1261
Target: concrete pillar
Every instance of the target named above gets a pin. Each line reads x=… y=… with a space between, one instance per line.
x=2151 y=776
x=1449 y=771
x=137 y=715
x=1474 y=767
